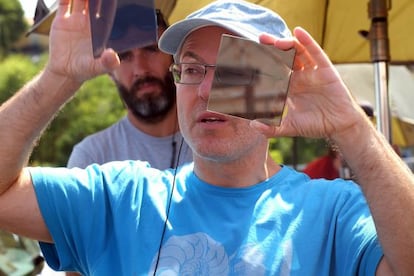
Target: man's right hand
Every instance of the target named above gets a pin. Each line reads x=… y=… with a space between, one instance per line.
x=71 y=47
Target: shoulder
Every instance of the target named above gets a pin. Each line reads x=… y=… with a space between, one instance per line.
x=117 y=129
x=301 y=185
x=110 y=178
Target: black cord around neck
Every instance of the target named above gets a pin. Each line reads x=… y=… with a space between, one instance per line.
x=174 y=147
x=169 y=204
x=173 y=152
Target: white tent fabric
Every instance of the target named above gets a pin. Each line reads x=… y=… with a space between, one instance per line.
x=359 y=79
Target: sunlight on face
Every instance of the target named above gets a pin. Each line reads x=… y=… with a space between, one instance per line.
x=212 y=136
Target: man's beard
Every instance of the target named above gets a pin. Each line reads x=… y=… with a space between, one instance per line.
x=149 y=108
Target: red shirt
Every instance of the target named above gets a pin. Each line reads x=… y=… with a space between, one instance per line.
x=322 y=167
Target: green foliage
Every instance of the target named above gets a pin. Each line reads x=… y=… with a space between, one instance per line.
x=15 y=70
x=95 y=106
x=296 y=151
x=280 y=149
x=12 y=24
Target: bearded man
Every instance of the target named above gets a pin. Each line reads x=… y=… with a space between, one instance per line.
x=149 y=131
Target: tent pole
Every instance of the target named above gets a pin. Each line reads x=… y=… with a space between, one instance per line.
x=380 y=56
x=382 y=99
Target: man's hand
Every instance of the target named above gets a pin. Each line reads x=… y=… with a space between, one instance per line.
x=319 y=104
x=71 y=47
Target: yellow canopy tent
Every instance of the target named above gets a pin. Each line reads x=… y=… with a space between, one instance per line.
x=335 y=24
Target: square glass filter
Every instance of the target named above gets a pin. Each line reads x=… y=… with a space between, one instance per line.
x=122 y=24
x=251 y=80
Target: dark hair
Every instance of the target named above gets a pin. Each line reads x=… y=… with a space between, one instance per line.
x=161 y=22
x=368 y=110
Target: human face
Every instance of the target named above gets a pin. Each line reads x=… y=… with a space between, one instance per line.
x=145 y=84
x=211 y=135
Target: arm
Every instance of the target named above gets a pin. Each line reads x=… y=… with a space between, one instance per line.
x=320 y=106
x=388 y=186
x=26 y=115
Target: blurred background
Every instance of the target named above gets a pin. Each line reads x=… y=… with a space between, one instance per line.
x=97 y=104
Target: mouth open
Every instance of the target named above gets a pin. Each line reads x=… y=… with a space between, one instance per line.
x=212 y=118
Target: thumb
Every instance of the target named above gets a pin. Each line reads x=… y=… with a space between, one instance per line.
x=266 y=130
x=109 y=60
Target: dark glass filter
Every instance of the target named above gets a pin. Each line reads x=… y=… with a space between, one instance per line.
x=251 y=80
x=122 y=25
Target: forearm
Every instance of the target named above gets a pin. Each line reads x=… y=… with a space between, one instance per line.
x=388 y=185
x=25 y=116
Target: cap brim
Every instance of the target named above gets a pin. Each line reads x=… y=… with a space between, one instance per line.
x=171 y=40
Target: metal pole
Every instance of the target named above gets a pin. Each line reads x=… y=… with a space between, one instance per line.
x=380 y=55
x=382 y=99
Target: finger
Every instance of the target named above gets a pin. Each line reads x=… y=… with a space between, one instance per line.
x=266 y=130
x=302 y=59
x=79 y=6
x=313 y=49
x=266 y=39
x=280 y=43
x=63 y=9
x=109 y=60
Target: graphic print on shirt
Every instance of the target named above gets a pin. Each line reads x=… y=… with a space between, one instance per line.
x=198 y=254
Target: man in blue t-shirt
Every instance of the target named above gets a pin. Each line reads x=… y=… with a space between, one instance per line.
x=231 y=212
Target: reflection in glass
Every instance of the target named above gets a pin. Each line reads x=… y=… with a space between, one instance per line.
x=251 y=80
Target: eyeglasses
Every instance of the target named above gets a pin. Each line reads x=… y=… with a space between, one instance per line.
x=194 y=73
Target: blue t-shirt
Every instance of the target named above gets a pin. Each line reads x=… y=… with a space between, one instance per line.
x=109 y=220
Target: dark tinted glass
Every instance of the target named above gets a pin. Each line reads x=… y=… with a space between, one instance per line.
x=251 y=80
x=122 y=25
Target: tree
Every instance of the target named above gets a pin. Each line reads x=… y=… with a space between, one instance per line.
x=296 y=151
x=15 y=70
x=12 y=24
x=95 y=106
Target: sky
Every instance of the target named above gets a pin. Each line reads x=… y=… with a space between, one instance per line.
x=29 y=6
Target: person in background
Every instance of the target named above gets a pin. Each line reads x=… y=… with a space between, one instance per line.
x=150 y=130
x=233 y=211
x=327 y=166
